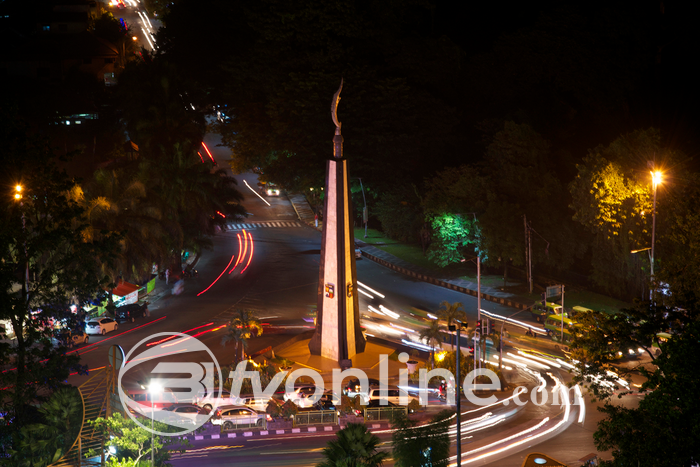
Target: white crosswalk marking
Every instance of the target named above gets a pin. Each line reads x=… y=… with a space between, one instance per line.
x=259 y=225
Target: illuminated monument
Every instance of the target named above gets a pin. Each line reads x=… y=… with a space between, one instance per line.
x=338 y=335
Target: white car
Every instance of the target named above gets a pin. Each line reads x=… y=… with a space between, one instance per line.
x=209 y=400
x=393 y=395
x=186 y=413
x=101 y=326
x=230 y=417
x=301 y=395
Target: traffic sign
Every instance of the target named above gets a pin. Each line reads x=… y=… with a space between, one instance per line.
x=553 y=291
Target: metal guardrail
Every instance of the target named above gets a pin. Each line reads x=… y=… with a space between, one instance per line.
x=316 y=417
x=383 y=413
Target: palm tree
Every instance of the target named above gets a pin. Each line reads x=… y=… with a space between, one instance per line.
x=431 y=336
x=243 y=326
x=354 y=447
x=452 y=312
x=116 y=201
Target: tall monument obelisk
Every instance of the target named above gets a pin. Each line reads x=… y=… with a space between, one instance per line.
x=338 y=335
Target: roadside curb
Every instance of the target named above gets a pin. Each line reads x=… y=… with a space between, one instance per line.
x=318 y=429
x=445 y=284
x=298 y=198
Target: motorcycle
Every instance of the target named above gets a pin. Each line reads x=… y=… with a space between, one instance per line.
x=187 y=273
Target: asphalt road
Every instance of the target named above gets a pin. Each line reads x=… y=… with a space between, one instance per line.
x=280 y=285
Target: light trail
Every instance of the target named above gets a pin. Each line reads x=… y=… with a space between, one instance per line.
x=256 y=193
x=540 y=359
x=539 y=366
x=370 y=289
x=514 y=321
x=206 y=148
x=215 y=280
x=145 y=33
x=365 y=293
x=173 y=337
x=239 y=256
x=250 y=256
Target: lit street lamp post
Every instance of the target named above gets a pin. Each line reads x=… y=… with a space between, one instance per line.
x=153 y=390
x=656 y=179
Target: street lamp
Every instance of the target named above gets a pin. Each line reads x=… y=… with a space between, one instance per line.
x=153 y=389
x=18 y=197
x=656 y=180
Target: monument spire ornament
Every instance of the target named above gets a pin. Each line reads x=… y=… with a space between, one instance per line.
x=334 y=108
x=338 y=335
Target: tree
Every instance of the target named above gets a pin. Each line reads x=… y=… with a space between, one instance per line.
x=452 y=313
x=663 y=430
x=678 y=240
x=355 y=446
x=116 y=201
x=45 y=441
x=282 y=63
x=47 y=267
x=243 y=326
x=422 y=445
x=432 y=335
x=132 y=443
x=482 y=205
x=612 y=198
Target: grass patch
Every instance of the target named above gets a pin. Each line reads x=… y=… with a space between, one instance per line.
x=374 y=237
x=594 y=301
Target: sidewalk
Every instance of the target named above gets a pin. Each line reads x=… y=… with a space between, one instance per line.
x=306 y=215
x=161 y=289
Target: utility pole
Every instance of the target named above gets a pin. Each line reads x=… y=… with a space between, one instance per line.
x=563 y=313
x=365 y=213
x=528 y=253
x=478 y=304
x=458 y=401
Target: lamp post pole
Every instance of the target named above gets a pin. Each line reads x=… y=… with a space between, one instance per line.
x=458 y=402
x=365 y=215
x=656 y=179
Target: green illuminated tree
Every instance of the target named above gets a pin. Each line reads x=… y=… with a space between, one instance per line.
x=515 y=179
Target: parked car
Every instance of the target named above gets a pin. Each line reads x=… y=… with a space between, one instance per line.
x=257 y=403
x=185 y=413
x=131 y=312
x=393 y=395
x=353 y=387
x=301 y=395
x=231 y=416
x=216 y=399
x=101 y=326
x=70 y=338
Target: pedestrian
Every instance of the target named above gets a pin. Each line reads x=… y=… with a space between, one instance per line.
x=529 y=332
x=316 y=220
x=167 y=275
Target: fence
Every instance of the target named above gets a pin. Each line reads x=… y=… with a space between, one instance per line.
x=384 y=413
x=316 y=417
